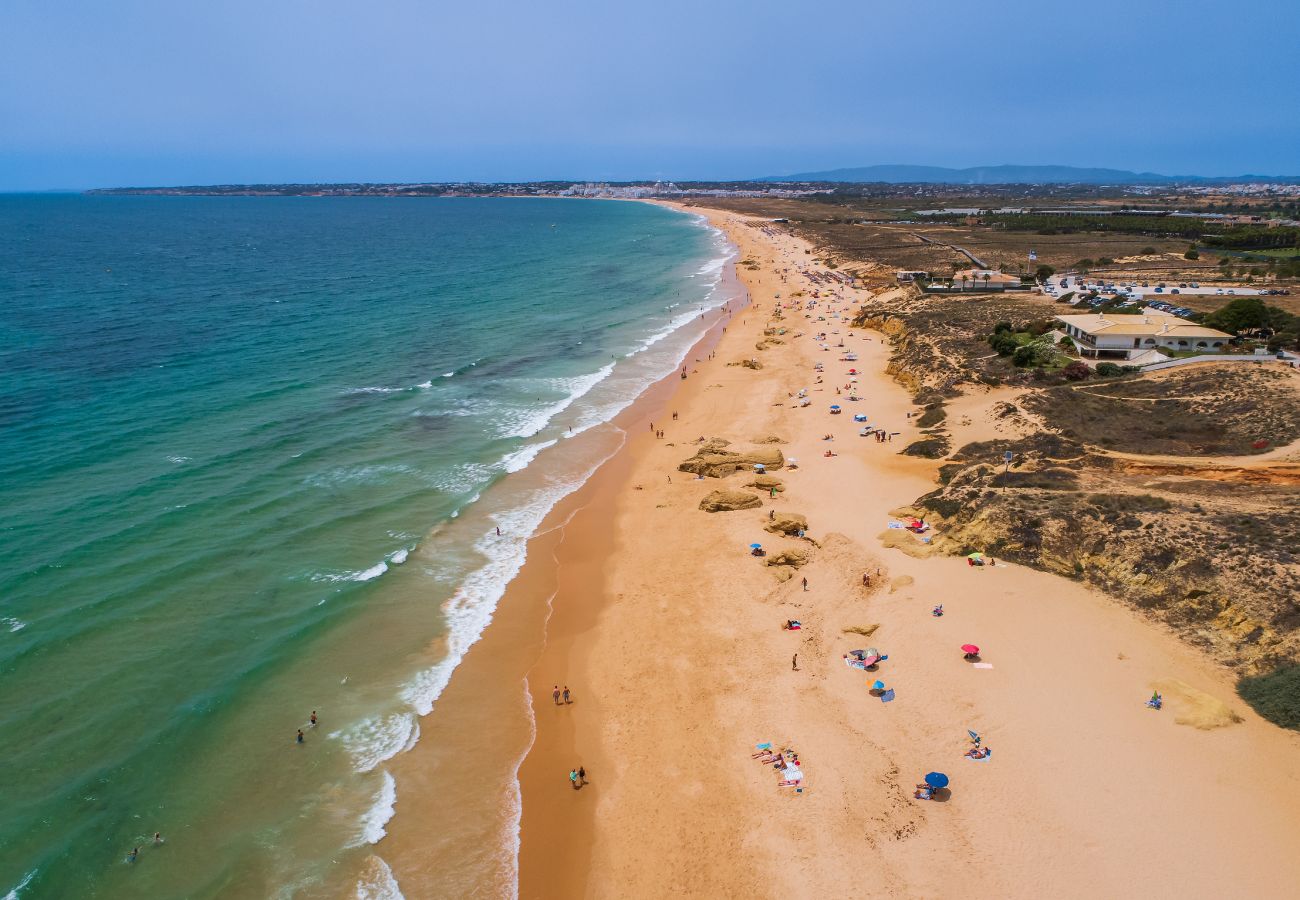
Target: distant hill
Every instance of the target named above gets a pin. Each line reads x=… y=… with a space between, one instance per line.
x=1015 y=175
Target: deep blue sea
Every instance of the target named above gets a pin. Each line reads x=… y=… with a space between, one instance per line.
x=233 y=435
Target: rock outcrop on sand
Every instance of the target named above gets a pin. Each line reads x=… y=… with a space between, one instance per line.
x=747 y=363
x=787 y=523
x=794 y=557
x=712 y=461
x=728 y=501
x=766 y=483
x=768 y=439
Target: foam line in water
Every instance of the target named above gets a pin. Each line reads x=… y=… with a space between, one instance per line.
x=380 y=812
x=17 y=890
x=577 y=387
x=377 y=881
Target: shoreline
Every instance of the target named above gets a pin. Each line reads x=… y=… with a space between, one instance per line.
x=485 y=695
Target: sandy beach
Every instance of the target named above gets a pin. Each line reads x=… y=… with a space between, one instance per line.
x=669 y=634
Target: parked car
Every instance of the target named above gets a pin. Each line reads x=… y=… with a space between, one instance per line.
x=1218 y=292
x=1174 y=291
x=1195 y=285
x=1160 y=290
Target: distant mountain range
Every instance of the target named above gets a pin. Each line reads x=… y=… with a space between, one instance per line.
x=1017 y=175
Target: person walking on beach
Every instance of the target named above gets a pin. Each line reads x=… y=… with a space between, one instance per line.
x=566 y=695
x=582 y=775
x=573 y=778
x=794 y=663
x=555 y=694
x=301 y=737
x=866 y=580
x=805 y=584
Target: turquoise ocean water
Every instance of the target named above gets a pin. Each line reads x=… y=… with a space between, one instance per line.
x=253 y=452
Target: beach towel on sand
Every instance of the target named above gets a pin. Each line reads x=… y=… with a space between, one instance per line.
x=983 y=665
x=887 y=696
x=854 y=663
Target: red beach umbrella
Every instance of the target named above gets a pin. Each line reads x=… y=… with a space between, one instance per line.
x=970 y=649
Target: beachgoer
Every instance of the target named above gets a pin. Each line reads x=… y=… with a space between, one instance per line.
x=866 y=580
x=805 y=584
x=582 y=775
x=652 y=426
x=134 y=854
x=555 y=695
x=498 y=531
x=566 y=694
x=573 y=778
x=771 y=514
x=157 y=837
x=301 y=737
x=794 y=663
x=313 y=717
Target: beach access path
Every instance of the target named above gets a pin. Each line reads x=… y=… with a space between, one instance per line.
x=669 y=632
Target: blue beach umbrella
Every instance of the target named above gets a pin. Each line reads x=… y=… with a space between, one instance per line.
x=973 y=736
x=755 y=546
x=936 y=780
x=878 y=686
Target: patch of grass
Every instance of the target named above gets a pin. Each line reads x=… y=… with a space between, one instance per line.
x=933 y=415
x=930 y=448
x=1129 y=502
x=1275 y=696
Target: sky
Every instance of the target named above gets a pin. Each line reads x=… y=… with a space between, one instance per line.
x=167 y=92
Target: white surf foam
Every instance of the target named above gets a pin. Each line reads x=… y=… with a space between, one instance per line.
x=399 y=556
x=378 y=739
x=377 y=882
x=13 y=624
x=16 y=891
x=369 y=574
x=533 y=421
x=377 y=816
x=519 y=460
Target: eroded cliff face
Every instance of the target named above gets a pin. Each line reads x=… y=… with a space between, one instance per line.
x=1212 y=561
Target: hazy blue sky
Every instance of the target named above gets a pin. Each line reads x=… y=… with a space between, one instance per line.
x=174 y=92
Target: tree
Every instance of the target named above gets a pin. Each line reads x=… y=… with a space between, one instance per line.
x=986 y=276
x=1239 y=315
x=1001 y=327
x=1044 y=272
x=1004 y=343
x=1192 y=253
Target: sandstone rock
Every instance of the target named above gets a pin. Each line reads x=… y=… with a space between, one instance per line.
x=727 y=501
x=714 y=462
x=769 y=439
x=795 y=558
x=786 y=523
x=767 y=483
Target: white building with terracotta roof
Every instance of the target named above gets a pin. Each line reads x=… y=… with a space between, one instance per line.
x=1108 y=336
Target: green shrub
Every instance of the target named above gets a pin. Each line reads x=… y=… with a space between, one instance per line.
x=1003 y=343
x=1148 y=251
x=1109 y=370
x=1192 y=254
x=1001 y=327
x=1275 y=696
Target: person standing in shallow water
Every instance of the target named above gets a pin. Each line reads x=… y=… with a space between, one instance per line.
x=300 y=737
x=313 y=717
